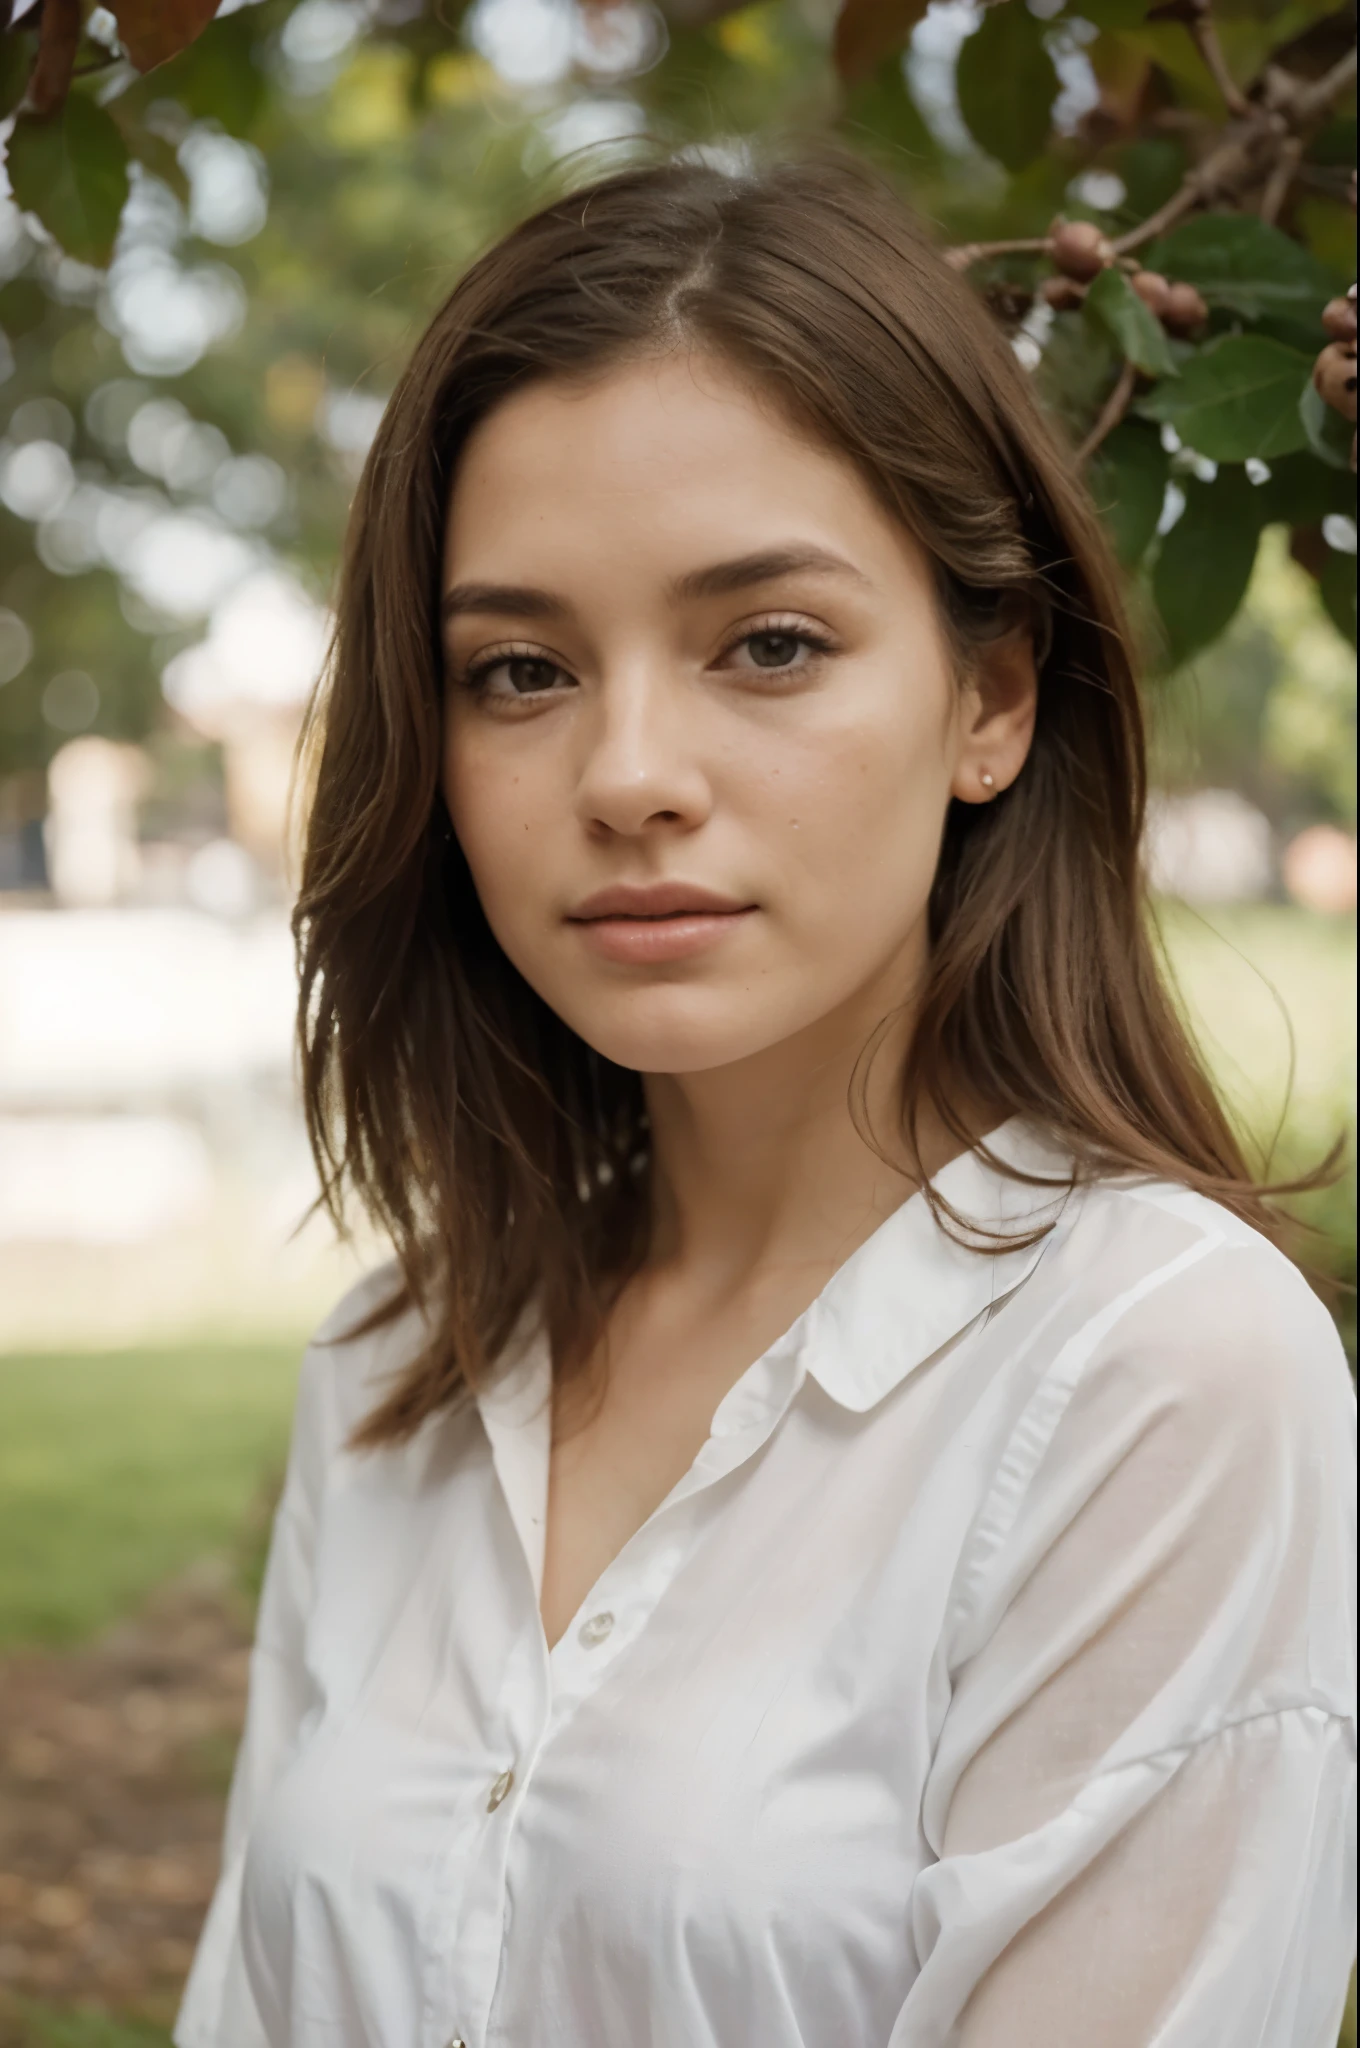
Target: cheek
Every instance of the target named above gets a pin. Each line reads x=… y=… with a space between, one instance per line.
x=493 y=804
x=859 y=813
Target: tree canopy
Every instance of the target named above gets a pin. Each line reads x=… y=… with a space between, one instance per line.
x=227 y=230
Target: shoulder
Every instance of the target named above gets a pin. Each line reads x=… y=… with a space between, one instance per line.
x=369 y=1336
x=1180 y=1303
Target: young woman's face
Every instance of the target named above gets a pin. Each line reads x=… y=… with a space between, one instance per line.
x=702 y=728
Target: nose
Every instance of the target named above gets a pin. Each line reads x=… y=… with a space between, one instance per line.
x=640 y=772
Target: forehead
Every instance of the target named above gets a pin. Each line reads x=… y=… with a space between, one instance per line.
x=669 y=459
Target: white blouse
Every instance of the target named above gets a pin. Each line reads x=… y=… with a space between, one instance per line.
x=987 y=1680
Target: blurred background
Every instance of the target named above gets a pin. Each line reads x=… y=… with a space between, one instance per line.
x=179 y=436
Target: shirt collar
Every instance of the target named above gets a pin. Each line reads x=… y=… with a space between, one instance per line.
x=905 y=1292
x=911 y=1286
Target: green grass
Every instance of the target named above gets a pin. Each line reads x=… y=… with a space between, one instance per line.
x=118 y=1470
x=41 y=2026
x=1252 y=973
x=1263 y=985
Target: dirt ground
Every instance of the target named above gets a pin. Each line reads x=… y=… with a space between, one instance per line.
x=114 y=1764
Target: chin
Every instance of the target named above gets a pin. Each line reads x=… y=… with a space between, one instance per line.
x=675 y=1030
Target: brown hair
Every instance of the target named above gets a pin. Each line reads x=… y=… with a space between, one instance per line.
x=507 y=1159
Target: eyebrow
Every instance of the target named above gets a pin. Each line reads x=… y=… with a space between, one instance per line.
x=719 y=579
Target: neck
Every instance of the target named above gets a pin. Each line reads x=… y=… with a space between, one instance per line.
x=791 y=1157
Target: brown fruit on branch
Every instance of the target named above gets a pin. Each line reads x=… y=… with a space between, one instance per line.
x=1338 y=317
x=1153 y=289
x=1079 y=249
x=1334 y=376
x=1064 y=294
x=1184 y=309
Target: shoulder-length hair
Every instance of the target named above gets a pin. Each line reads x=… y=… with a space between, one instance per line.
x=504 y=1157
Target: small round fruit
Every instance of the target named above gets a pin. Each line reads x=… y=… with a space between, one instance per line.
x=1338 y=317
x=1153 y=289
x=1184 y=309
x=1334 y=376
x=1080 y=249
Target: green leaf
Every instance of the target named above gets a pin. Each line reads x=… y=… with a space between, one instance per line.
x=153 y=31
x=1111 y=13
x=1172 y=48
x=1152 y=169
x=1240 y=263
x=1113 y=302
x=156 y=153
x=1007 y=85
x=1206 y=561
x=1335 y=143
x=71 y=170
x=16 y=62
x=221 y=76
x=1336 y=586
x=1236 y=398
x=1301 y=491
x=1329 y=435
x=1128 y=482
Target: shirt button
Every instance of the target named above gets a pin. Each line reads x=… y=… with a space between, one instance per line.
x=593 y=1632
x=499 y=1790
x=457 y=2042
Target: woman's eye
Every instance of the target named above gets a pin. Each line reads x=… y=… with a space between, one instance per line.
x=518 y=675
x=776 y=648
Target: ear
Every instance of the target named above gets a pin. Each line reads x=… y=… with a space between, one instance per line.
x=996 y=717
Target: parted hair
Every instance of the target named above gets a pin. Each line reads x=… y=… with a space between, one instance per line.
x=506 y=1159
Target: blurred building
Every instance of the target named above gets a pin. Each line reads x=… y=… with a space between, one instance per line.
x=154 y=1171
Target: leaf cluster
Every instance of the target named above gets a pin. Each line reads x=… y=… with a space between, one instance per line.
x=1189 y=139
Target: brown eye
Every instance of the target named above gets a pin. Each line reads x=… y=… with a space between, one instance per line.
x=526 y=674
x=511 y=678
x=774 y=650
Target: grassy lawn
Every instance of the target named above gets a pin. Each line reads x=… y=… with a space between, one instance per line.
x=1253 y=974
x=1265 y=987
x=42 y=2027
x=119 y=1469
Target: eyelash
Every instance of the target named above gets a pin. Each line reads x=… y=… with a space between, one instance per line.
x=474 y=677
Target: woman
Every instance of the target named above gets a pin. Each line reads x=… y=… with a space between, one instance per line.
x=835 y=1528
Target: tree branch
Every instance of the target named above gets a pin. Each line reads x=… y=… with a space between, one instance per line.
x=1181 y=202
x=1261 y=143
x=1111 y=413
x=1205 y=32
x=1311 y=99
x=968 y=253
x=1264 y=141
x=1280 y=179
x=57 y=42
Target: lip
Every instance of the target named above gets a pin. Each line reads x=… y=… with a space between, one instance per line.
x=641 y=924
x=655 y=899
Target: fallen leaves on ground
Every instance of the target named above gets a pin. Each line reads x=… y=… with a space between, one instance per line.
x=114 y=1763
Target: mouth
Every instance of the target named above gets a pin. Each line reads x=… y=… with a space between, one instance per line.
x=646 y=924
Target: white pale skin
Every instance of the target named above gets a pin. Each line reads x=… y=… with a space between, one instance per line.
x=788 y=739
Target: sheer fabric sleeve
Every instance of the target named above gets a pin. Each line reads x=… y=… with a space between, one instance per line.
x=218 y=2010
x=1142 y=1802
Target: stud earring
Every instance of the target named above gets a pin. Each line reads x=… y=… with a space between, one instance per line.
x=986 y=780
